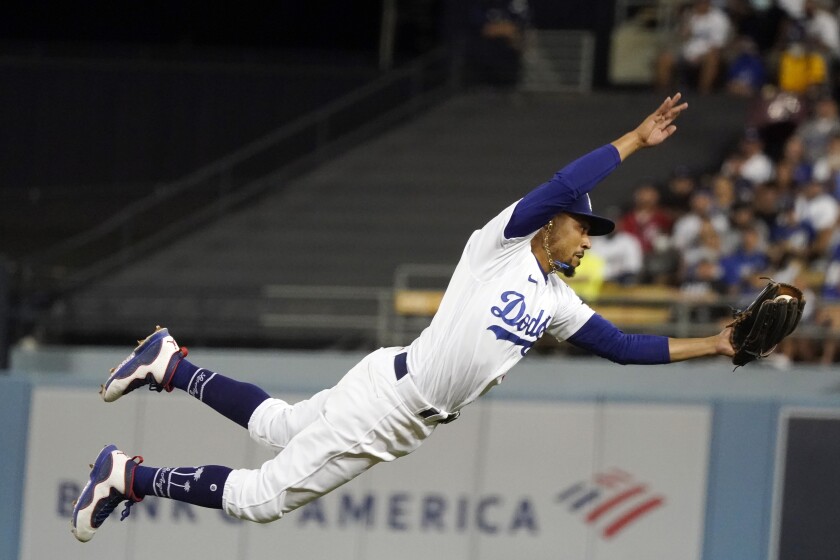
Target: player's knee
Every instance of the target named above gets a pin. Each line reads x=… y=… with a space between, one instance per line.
x=263 y=427
x=267 y=517
x=256 y=516
x=266 y=512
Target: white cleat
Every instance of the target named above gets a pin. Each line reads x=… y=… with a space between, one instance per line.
x=111 y=477
x=152 y=363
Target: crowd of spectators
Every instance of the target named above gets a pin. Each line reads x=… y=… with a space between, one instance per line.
x=716 y=234
x=770 y=209
x=772 y=206
x=743 y=45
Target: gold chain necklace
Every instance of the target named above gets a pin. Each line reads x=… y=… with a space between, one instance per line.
x=552 y=268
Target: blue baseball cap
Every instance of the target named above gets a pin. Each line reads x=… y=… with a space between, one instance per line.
x=598 y=225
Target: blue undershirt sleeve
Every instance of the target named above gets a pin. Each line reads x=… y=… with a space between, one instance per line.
x=567 y=185
x=604 y=339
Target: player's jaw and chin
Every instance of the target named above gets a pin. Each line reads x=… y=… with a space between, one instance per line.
x=569 y=241
x=568 y=269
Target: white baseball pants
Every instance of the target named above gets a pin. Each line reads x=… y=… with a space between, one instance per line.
x=338 y=434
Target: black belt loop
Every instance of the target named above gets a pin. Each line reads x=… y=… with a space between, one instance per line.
x=433 y=412
x=400 y=365
x=400 y=370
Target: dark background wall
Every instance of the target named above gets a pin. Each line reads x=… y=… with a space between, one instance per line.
x=315 y=25
x=71 y=122
x=107 y=92
x=260 y=24
x=103 y=92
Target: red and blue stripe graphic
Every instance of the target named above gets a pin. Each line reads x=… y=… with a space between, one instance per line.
x=612 y=501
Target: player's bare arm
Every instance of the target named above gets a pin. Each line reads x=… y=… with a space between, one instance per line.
x=655 y=129
x=689 y=348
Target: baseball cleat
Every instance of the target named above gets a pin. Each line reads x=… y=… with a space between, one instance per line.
x=152 y=363
x=111 y=477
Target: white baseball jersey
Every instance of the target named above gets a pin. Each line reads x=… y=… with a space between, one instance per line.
x=497 y=304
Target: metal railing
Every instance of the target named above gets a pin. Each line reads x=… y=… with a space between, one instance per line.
x=339 y=316
x=362 y=312
x=558 y=61
x=211 y=191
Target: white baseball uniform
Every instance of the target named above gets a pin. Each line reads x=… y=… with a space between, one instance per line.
x=497 y=304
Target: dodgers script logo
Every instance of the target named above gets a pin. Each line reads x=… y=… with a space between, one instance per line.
x=513 y=313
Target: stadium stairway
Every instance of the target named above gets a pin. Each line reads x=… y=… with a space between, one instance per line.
x=411 y=195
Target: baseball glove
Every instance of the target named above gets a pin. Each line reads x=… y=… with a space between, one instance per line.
x=773 y=315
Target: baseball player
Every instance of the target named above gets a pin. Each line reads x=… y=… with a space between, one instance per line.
x=505 y=293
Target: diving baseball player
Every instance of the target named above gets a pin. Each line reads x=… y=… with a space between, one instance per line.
x=505 y=293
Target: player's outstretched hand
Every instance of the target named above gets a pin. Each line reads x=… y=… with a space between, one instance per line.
x=655 y=129
x=659 y=125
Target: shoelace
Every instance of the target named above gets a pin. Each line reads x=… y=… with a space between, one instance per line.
x=125 y=513
x=154 y=385
x=109 y=507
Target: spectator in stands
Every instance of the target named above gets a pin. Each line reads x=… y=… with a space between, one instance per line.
x=831 y=282
x=686 y=231
x=677 y=195
x=622 y=256
x=741 y=217
x=792 y=270
x=784 y=181
x=812 y=49
x=589 y=277
x=746 y=74
x=758 y=20
x=647 y=220
x=794 y=10
x=766 y=204
x=819 y=128
x=700 y=271
x=749 y=164
x=815 y=207
x=723 y=193
x=757 y=166
x=707 y=246
x=802 y=67
x=744 y=267
x=703 y=33
x=793 y=166
x=799 y=347
x=704 y=278
x=827 y=168
x=496 y=41
x=789 y=237
x=822 y=30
